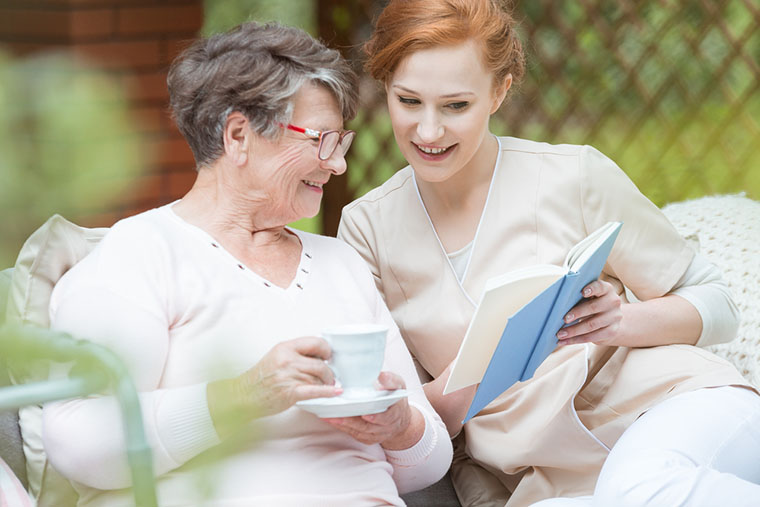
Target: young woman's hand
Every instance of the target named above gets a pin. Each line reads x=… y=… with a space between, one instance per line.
x=399 y=427
x=597 y=317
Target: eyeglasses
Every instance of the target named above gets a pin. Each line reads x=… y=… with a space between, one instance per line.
x=329 y=140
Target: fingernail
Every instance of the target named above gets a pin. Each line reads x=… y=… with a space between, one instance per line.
x=569 y=317
x=561 y=334
x=587 y=292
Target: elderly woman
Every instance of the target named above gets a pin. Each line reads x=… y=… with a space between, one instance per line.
x=216 y=306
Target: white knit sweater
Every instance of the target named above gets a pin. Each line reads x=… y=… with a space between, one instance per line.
x=181 y=311
x=726 y=229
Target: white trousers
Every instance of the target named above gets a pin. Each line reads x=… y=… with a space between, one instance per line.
x=700 y=448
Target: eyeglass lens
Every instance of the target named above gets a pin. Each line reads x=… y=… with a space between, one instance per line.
x=330 y=142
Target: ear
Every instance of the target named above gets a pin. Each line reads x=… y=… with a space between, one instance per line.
x=237 y=138
x=500 y=93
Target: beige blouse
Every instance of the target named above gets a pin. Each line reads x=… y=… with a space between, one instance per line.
x=547 y=436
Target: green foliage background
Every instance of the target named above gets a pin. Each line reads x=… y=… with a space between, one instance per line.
x=67 y=144
x=668 y=89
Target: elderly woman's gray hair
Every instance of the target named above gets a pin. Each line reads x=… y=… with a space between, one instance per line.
x=254 y=69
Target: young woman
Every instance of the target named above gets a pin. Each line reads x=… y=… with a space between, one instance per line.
x=625 y=395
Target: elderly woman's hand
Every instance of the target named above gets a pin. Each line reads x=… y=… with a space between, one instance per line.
x=598 y=316
x=291 y=371
x=399 y=427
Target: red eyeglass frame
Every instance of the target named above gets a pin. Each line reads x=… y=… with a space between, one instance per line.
x=317 y=134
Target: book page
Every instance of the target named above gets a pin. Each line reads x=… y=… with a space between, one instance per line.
x=502 y=298
x=579 y=253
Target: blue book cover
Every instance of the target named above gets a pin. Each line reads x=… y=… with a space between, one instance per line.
x=529 y=335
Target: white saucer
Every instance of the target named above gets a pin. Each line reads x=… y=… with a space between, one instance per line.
x=349 y=407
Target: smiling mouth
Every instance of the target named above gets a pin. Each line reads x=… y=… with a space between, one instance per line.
x=432 y=150
x=314 y=184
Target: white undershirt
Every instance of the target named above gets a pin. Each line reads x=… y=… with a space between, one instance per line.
x=460 y=259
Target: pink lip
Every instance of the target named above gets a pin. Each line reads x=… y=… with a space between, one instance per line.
x=434 y=157
x=319 y=190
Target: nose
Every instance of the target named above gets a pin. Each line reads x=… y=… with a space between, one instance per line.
x=336 y=164
x=429 y=128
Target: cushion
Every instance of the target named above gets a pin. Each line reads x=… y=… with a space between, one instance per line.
x=11 y=448
x=48 y=253
x=728 y=228
x=440 y=494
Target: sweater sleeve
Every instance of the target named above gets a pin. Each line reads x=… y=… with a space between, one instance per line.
x=428 y=460
x=84 y=437
x=703 y=286
x=119 y=297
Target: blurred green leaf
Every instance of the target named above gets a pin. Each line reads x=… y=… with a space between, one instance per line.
x=67 y=144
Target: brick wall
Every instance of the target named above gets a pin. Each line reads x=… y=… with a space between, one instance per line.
x=134 y=41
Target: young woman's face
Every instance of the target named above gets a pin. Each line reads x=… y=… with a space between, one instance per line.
x=440 y=100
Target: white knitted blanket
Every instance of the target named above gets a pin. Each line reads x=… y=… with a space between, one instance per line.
x=726 y=229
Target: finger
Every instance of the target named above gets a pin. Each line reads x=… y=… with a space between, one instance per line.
x=355 y=426
x=596 y=288
x=601 y=336
x=312 y=346
x=363 y=437
x=596 y=305
x=391 y=416
x=317 y=369
x=310 y=391
x=588 y=326
x=390 y=381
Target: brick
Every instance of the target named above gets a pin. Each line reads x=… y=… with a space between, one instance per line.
x=26 y=48
x=122 y=55
x=100 y=219
x=160 y=19
x=149 y=187
x=148 y=86
x=172 y=152
x=34 y=25
x=58 y=4
x=149 y=119
x=173 y=47
x=179 y=183
x=92 y=24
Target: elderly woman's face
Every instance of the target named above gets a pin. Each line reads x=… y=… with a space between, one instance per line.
x=290 y=171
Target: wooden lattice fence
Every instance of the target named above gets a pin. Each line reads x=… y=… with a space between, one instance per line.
x=670 y=89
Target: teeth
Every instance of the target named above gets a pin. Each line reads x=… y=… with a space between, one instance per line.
x=313 y=183
x=431 y=151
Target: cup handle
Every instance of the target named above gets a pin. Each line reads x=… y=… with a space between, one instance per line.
x=327 y=361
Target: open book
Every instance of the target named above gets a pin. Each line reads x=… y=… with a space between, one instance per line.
x=515 y=325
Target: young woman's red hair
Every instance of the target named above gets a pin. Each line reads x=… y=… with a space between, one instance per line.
x=406 y=26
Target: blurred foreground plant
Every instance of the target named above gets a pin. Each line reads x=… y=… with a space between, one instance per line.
x=67 y=144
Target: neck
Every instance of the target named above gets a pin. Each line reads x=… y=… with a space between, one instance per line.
x=468 y=186
x=218 y=206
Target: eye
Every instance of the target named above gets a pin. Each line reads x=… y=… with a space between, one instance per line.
x=457 y=105
x=408 y=101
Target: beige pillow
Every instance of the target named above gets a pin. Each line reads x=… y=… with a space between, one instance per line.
x=48 y=253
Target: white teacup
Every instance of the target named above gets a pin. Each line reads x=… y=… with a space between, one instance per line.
x=358 y=351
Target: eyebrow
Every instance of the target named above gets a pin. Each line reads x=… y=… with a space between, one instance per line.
x=448 y=95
